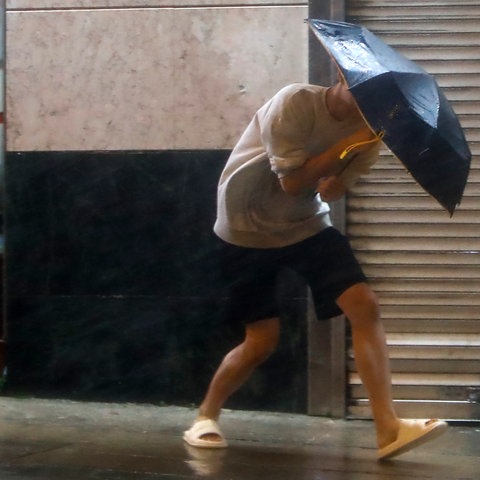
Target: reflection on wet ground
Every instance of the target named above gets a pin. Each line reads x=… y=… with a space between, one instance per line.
x=50 y=440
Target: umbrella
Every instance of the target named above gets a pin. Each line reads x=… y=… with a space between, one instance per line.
x=403 y=102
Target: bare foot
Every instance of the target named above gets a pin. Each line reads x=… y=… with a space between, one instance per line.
x=210 y=437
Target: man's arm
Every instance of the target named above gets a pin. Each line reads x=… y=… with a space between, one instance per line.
x=331 y=189
x=334 y=187
x=326 y=164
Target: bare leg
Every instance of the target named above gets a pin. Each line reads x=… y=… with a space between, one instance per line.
x=260 y=341
x=360 y=305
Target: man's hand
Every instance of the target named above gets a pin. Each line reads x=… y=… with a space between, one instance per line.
x=331 y=189
x=360 y=141
x=327 y=164
x=363 y=134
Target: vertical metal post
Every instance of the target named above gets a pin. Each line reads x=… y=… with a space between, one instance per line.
x=326 y=340
x=2 y=185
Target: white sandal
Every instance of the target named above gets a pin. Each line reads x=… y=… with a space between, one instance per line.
x=411 y=434
x=204 y=427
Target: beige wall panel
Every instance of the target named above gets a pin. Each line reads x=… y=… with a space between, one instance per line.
x=146 y=79
x=68 y=4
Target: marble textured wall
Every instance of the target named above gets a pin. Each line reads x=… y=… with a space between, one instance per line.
x=120 y=77
x=120 y=116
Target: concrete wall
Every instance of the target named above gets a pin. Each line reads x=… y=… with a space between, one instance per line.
x=121 y=114
x=145 y=74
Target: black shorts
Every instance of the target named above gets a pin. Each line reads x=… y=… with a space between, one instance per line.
x=326 y=262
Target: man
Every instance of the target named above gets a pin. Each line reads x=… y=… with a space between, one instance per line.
x=303 y=148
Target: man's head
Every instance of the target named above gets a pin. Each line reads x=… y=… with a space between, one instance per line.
x=340 y=101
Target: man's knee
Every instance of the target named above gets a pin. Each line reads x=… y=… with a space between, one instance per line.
x=360 y=302
x=261 y=339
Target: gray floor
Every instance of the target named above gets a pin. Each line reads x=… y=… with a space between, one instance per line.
x=50 y=440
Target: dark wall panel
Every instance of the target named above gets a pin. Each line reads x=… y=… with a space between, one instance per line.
x=112 y=287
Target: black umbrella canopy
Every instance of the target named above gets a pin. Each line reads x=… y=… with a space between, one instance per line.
x=400 y=99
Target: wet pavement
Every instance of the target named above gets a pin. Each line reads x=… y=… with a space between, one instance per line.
x=50 y=440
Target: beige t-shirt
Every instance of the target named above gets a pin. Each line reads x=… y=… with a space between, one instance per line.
x=252 y=209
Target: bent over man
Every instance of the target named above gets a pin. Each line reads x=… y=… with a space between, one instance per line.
x=303 y=148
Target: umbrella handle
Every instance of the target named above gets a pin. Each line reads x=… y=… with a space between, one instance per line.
x=353 y=146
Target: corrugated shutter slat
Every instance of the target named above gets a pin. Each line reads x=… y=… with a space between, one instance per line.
x=424 y=265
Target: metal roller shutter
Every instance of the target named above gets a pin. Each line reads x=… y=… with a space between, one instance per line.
x=424 y=265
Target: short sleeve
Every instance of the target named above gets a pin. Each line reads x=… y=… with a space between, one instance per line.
x=285 y=129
